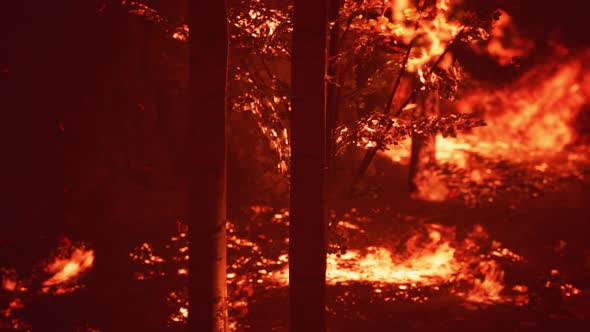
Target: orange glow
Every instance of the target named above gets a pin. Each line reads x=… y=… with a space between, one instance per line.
x=181 y=33
x=531 y=117
x=8 y=283
x=437 y=188
x=505 y=43
x=437 y=34
x=398 y=8
x=529 y=122
x=67 y=269
x=429 y=258
x=434 y=33
x=433 y=258
x=181 y=315
x=488 y=290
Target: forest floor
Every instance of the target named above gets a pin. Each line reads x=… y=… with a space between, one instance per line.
x=549 y=232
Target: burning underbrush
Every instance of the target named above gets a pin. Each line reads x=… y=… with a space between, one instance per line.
x=56 y=275
x=423 y=262
x=530 y=144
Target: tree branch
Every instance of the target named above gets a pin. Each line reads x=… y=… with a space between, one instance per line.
x=373 y=151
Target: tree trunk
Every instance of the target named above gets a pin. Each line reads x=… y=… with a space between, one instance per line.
x=206 y=154
x=423 y=146
x=307 y=231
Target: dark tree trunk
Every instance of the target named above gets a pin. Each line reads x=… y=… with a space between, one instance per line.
x=423 y=146
x=206 y=154
x=307 y=246
x=36 y=83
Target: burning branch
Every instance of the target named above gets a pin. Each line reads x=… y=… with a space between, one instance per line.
x=379 y=142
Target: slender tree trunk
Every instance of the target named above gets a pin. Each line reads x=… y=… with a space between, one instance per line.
x=423 y=146
x=307 y=231
x=207 y=175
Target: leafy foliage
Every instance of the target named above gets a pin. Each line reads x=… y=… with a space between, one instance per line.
x=366 y=133
x=260 y=50
x=375 y=39
x=372 y=43
x=260 y=41
x=375 y=45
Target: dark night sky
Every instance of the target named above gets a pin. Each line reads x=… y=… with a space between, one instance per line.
x=542 y=18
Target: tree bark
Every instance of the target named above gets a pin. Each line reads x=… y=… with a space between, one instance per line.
x=307 y=231
x=206 y=154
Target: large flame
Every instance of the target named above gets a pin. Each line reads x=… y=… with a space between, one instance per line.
x=436 y=35
x=432 y=259
x=432 y=34
x=529 y=121
x=426 y=264
x=532 y=115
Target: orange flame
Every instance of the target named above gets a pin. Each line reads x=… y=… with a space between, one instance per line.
x=436 y=35
x=9 y=284
x=488 y=290
x=431 y=262
x=67 y=269
x=533 y=115
x=435 y=30
x=527 y=119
